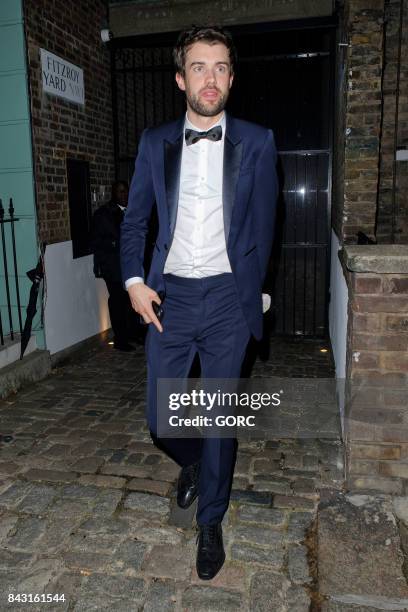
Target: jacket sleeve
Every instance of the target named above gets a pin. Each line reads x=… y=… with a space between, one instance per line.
x=135 y=223
x=265 y=194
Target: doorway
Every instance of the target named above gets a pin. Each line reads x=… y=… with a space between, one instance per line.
x=284 y=81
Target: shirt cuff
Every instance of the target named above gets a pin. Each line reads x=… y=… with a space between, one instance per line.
x=266 y=302
x=133 y=280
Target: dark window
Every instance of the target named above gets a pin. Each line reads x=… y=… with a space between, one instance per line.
x=79 y=198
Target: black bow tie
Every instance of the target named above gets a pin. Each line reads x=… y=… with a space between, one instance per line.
x=192 y=136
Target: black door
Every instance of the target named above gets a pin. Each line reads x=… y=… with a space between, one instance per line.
x=79 y=200
x=284 y=81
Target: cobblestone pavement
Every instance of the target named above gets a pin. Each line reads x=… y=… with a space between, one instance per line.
x=87 y=506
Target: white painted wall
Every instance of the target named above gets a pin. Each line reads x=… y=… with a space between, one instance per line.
x=338 y=324
x=338 y=309
x=76 y=302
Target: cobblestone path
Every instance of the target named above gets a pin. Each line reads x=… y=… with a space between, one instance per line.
x=87 y=505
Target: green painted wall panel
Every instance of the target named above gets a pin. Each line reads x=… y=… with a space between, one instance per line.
x=11 y=48
x=16 y=176
x=15 y=151
x=18 y=185
x=24 y=286
x=11 y=11
x=26 y=245
x=13 y=99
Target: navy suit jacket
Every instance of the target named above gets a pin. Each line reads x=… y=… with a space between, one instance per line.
x=250 y=189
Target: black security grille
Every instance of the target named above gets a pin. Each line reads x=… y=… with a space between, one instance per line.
x=144 y=94
x=300 y=276
x=10 y=290
x=283 y=81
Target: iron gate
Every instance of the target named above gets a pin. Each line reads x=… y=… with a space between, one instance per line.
x=9 y=290
x=283 y=81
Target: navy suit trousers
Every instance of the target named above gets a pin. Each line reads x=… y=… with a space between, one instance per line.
x=201 y=316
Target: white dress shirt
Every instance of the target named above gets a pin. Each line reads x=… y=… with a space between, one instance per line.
x=198 y=248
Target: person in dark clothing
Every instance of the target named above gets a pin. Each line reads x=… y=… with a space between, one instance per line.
x=105 y=246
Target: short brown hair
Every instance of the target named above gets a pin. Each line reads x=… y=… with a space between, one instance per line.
x=210 y=34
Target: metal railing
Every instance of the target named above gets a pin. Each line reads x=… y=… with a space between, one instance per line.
x=7 y=226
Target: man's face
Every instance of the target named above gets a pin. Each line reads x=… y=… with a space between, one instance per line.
x=121 y=194
x=207 y=79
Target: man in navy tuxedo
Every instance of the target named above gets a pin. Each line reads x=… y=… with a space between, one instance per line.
x=214 y=181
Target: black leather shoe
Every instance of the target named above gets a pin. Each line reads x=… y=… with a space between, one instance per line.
x=210 y=551
x=187 y=486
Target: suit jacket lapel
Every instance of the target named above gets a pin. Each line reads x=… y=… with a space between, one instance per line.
x=173 y=148
x=231 y=166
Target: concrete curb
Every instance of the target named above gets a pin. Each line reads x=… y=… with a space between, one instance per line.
x=32 y=368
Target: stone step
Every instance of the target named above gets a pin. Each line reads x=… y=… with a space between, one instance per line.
x=360 y=556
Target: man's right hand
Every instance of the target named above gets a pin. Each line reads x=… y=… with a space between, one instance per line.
x=141 y=297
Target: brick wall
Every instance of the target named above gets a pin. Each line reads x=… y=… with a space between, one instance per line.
x=363 y=30
x=340 y=105
x=366 y=123
x=71 y=30
x=394 y=129
x=377 y=373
